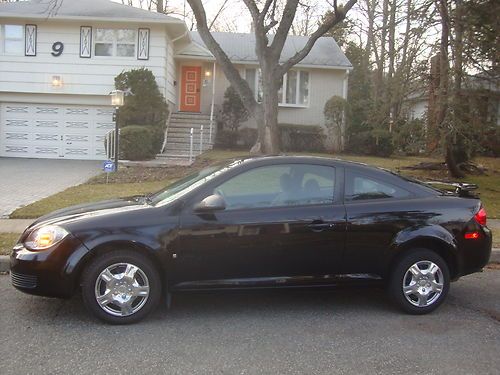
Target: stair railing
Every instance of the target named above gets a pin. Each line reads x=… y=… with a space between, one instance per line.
x=191 y=145
x=164 y=145
x=201 y=139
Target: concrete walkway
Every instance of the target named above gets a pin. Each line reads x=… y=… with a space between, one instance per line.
x=14 y=225
x=24 y=181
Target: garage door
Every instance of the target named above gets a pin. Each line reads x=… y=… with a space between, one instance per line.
x=54 y=131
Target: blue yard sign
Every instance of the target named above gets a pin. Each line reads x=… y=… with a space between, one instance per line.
x=108 y=166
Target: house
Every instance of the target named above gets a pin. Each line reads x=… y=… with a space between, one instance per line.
x=58 y=62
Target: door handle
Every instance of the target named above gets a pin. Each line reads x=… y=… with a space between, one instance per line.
x=320 y=225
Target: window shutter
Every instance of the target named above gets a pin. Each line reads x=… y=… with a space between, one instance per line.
x=30 y=40
x=85 y=41
x=143 y=44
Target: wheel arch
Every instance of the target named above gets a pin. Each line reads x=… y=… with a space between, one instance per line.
x=114 y=245
x=443 y=248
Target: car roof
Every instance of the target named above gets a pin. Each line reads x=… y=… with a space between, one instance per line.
x=376 y=172
x=312 y=159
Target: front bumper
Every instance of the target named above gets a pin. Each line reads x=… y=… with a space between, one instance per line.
x=52 y=272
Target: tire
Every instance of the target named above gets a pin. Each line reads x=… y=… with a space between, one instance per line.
x=121 y=287
x=419 y=282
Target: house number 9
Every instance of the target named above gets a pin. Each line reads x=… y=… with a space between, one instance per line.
x=57 y=49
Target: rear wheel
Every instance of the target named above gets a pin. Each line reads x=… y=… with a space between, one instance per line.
x=419 y=282
x=121 y=287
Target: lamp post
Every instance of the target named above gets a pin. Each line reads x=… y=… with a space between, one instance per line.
x=117 y=100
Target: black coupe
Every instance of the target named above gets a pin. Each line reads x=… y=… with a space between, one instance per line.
x=257 y=222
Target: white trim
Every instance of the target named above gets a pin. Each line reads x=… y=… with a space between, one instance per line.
x=283 y=102
x=99 y=19
x=298 y=66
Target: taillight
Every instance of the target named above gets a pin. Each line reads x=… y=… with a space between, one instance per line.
x=481 y=216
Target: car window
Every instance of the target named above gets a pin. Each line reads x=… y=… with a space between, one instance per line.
x=279 y=185
x=360 y=187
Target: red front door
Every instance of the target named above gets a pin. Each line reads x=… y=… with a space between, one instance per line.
x=190 y=88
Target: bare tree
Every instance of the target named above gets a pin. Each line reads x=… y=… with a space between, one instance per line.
x=268 y=50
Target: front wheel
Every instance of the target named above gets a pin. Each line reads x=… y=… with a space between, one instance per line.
x=419 y=282
x=121 y=287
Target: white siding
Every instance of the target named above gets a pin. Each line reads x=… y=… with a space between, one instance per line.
x=324 y=83
x=85 y=76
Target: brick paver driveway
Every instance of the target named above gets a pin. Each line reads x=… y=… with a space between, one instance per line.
x=23 y=181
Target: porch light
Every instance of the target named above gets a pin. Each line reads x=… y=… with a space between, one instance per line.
x=56 y=81
x=208 y=73
x=117 y=98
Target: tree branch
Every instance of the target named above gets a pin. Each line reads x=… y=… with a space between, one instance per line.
x=284 y=27
x=232 y=74
x=329 y=22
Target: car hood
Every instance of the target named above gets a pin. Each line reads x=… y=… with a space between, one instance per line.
x=88 y=210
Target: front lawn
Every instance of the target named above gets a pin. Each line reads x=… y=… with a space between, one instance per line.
x=84 y=194
x=139 y=180
x=7 y=242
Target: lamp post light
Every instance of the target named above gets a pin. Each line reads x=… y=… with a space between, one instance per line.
x=117 y=100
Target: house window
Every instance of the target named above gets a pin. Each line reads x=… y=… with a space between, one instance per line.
x=115 y=42
x=12 y=39
x=294 y=92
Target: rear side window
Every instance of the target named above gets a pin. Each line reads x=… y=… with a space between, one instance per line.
x=361 y=187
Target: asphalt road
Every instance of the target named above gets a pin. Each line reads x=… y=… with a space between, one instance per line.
x=348 y=331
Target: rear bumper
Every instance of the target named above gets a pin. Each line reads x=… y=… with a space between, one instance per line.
x=51 y=272
x=475 y=254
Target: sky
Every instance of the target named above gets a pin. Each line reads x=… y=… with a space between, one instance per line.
x=234 y=16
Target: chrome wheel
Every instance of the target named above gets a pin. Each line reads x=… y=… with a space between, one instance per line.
x=122 y=289
x=423 y=283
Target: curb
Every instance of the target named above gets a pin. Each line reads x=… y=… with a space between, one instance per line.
x=5 y=261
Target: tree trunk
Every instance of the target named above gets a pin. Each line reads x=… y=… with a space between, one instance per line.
x=159 y=6
x=267 y=116
x=443 y=99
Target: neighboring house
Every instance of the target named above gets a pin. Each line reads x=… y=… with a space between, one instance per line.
x=57 y=68
x=483 y=99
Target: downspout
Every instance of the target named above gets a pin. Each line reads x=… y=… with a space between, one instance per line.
x=344 y=95
x=212 y=105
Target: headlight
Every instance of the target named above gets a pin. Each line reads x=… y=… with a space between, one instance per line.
x=45 y=237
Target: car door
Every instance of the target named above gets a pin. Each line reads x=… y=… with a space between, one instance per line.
x=280 y=221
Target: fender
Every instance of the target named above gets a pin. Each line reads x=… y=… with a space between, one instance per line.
x=434 y=236
x=153 y=246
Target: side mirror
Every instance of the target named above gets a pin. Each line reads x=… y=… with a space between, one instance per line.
x=211 y=203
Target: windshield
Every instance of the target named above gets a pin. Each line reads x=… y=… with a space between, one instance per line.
x=189 y=183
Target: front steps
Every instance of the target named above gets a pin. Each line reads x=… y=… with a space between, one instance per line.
x=178 y=136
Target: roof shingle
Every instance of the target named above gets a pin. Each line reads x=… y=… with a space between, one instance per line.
x=241 y=47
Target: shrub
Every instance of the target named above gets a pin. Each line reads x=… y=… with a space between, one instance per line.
x=157 y=135
x=334 y=111
x=491 y=141
x=233 y=111
x=410 y=137
x=371 y=142
x=247 y=137
x=301 y=138
x=226 y=139
x=136 y=143
x=147 y=106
